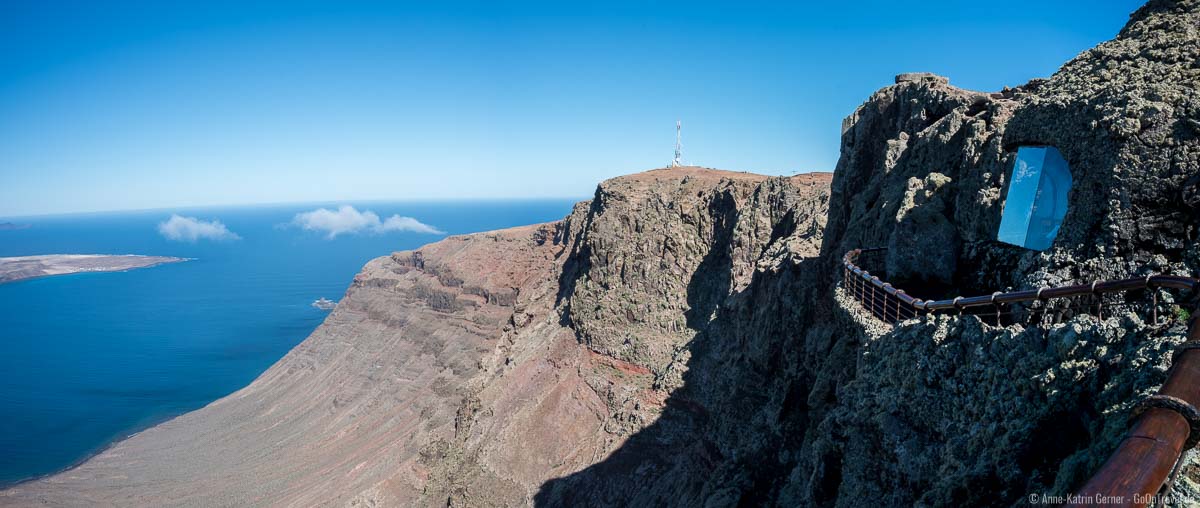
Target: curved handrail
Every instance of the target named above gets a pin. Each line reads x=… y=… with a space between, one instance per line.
x=918 y=305
x=1169 y=424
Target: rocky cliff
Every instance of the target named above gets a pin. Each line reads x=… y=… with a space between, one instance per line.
x=792 y=395
x=682 y=338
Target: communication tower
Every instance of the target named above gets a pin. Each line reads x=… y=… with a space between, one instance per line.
x=678 y=160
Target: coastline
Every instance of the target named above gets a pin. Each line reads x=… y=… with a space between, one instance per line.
x=107 y=445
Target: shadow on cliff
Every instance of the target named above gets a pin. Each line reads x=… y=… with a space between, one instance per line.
x=680 y=459
x=578 y=262
x=710 y=283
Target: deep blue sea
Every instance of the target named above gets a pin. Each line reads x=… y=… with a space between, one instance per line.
x=88 y=359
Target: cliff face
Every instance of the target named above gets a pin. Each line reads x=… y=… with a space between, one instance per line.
x=591 y=367
x=682 y=338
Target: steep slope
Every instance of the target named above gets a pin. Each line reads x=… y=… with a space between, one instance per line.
x=342 y=415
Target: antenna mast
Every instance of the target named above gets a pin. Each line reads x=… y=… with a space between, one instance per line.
x=678 y=160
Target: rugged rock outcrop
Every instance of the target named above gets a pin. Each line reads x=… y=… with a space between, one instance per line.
x=682 y=338
x=970 y=413
x=592 y=361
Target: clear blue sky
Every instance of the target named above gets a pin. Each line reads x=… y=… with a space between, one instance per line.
x=110 y=105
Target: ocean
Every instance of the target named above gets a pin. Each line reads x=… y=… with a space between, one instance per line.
x=88 y=359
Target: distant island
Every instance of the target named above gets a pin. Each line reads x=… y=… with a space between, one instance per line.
x=27 y=267
x=9 y=226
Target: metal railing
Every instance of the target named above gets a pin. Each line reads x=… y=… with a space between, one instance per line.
x=1164 y=425
x=892 y=305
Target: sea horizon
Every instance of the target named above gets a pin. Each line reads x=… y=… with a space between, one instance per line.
x=290 y=204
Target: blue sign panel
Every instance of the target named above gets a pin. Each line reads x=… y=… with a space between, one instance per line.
x=1037 y=198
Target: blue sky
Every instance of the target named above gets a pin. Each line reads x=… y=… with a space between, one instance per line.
x=112 y=106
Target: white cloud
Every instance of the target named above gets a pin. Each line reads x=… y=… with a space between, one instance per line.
x=190 y=229
x=346 y=219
